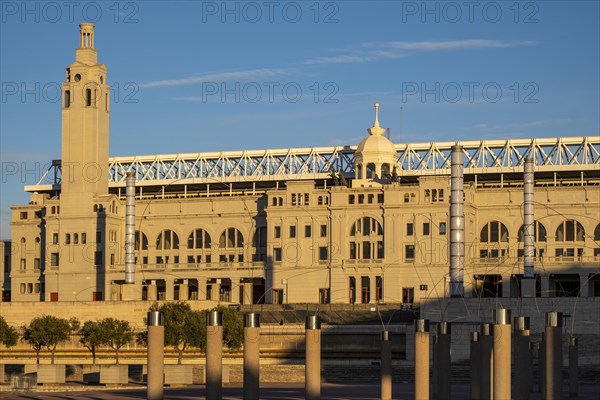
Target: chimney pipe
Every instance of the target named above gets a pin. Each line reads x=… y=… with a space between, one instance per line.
x=528 y=286
x=457 y=222
x=130 y=227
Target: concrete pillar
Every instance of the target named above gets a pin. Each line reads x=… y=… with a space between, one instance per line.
x=422 y=359
x=169 y=289
x=444 y=362
x=152 y=292
x=215 y=293
x=553 y=361
x=184 y=290
x=523 y=373
x=251 y=356
x=214 y=355
x=545 y=285
x=386 y=365
x=573 y=368
x=502 y=357
x=487 y=362
x=234 y=296
x=475 y=366
x=248 y=292
x=312 y=372
x=542 y=367
x=372 y=289
x=584 y=290
x=156 y=355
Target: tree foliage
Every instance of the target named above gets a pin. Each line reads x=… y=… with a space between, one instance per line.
x=116 y=333
x=8 y=335
x=233 y=328
x=46 y=331
x=92 y=336
x=184 y=327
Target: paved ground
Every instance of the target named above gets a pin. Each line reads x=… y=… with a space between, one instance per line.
x=268 y=392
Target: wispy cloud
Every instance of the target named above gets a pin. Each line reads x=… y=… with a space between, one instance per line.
x=218 y=77
x=376 y=51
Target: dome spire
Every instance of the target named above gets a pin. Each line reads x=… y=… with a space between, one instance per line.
x=376 y=130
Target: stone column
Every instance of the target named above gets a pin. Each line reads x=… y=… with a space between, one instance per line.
x=251 y=356
x=502 y=357
x=523 y=373
x=386 y=365
x=312 y=372
x=475 y=366
x=152 y=291
x=169 y=289
x=444 y=361
x=573 y=368
x=487 y=361
x=214 y=355
x=553 y=361
x=422 y=359
x=156 y=348
x=184 y=290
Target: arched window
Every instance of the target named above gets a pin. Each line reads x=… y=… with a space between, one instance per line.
x=597 y=232
x=570 y=231
x=366 y=240
x=199 y=244
x=539 y=232
x=385 y=169
x=141 y=241
x=231 y=246
x=359 y=171
x=494 y=240
x=371 y=171
x=494 y=232
x=167 y=240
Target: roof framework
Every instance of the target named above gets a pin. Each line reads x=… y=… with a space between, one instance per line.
x=481 y=157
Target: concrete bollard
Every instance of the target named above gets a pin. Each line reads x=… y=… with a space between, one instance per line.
x=251 y=356
x=421 y=359
x=312 y=371
x=502 y=357
x=444 y=362
x=214 y=355
x=156 y=355
x=475 y=356
x=487 y=361
x=553 y=359
x=523 y=373
x=386 y=365
x=573 y=368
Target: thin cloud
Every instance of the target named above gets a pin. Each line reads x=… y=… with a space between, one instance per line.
x=240 y=76
x=393 y=50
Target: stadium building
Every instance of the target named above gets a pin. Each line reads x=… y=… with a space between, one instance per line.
x=367 y=223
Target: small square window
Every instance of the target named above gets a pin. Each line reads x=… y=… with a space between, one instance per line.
x=410 y=251
x=323 y=254
x=23 y=215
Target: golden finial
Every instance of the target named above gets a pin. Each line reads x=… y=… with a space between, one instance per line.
x=376 y=129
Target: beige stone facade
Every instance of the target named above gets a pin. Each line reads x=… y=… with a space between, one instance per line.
x=370 y=239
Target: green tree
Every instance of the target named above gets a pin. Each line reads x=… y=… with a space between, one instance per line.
x=92 y=336
x=233 y=328
x=117 y=333
x=184 y=327
x=8 y=335
x=46 y=331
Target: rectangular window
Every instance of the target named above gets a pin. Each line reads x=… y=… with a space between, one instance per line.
x=442 y=228
x=361 y=198
x=37 y=288
x=324 y=296
x=96 y=296
x=353 y=250
x=23 y=215
x=83 y=238
x=352 y=289
x=277 y=296
x=323 y=254
x=112 y=259
x=425 y=228
x=307 y=231
x=67 y=98
x=409 y=229
x=380 y=249
x=67 y=238
x=410 y=251
x=323 y=230
x=408 y=295
x=380 y=198
x=365 y=289
x=306 y=198
x=366 y=250
x=55 y=238
x=441 y=195
x=76 y=238
x=54 y=260
x=370 y=198
x=88 y=97
x=292 y=231
x=277 y=254
x=23 y=264
x=379 y=289
x=36 y=264
x=427 y=195
x=277 y=232
x=293 y=199
x=350 y=199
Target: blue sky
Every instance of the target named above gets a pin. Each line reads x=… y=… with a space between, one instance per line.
x=192 y=76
